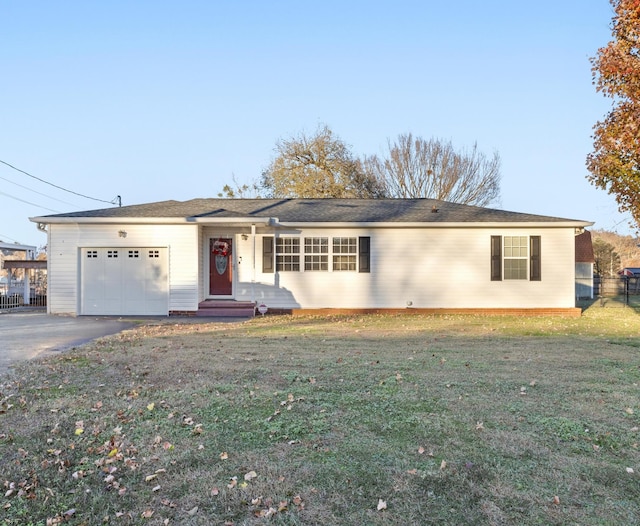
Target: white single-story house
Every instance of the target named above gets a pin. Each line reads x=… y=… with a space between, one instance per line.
x=207 y=256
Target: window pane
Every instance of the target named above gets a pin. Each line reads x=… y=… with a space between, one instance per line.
x=344 y=245
x=316 y=262
x=344 y=263
x=287 y=253
x=316 y=245
x=515 y=269
x=286 y=262
x=345 y=250
x=516 y=252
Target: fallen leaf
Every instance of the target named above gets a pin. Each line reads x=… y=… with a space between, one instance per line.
x=382 y=504
x=629 y=470
x=421 y=450
x=556 y=500
x=193 y=511
x=629 y=410
x=151 y=406
x=251 y=475
x=443 y=465
x=147 y=514
x=215 y=492
x=149 y=478
x=224 y=455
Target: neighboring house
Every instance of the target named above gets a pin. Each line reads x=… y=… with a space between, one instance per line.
x=10 y=284
x=584 y=266
x=181 y=258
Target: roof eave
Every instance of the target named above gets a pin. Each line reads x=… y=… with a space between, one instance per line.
x=152 y=220
x=427 y=224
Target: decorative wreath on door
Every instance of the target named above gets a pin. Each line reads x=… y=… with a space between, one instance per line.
x=220 y=248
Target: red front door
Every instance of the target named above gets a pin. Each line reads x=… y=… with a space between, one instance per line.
x=220 y=267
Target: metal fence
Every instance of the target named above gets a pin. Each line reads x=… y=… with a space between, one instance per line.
x=614 y=291
x=12 y=295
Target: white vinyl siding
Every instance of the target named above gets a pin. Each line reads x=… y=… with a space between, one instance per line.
x=422 y=268
x=64 y=255
x=416 y=267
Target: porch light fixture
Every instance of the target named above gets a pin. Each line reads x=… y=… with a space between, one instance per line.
x=122 y=233
x=244 y=237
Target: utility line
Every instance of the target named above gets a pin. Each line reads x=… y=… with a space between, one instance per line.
x=30 y=203
x=9 y=238
x=36 y=192
x=54 y=185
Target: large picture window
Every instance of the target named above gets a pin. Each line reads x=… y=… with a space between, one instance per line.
x=515 y=257
x=337 y=254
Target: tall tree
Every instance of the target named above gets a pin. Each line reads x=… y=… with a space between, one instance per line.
x=614 y=164
x=415 y=167
x=607 y=259
x=320 y=165
x=240 y=191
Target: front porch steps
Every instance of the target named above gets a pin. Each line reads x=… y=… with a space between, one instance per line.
x=226 y=308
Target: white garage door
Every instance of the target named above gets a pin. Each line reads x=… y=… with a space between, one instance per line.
x=124 y=281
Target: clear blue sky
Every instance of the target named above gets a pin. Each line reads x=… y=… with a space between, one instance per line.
x=170 y=100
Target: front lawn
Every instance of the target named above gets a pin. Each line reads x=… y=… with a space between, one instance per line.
x=331 y=420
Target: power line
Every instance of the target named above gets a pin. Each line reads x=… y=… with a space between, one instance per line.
x=35 y=191
x=55 y=185
x=30 y=203
x=9 y=238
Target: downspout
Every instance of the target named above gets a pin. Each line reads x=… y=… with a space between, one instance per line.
x=43 y=228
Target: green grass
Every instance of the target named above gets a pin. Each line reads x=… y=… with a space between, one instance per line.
x=316 y=420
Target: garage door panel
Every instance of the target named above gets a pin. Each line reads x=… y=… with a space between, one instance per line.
x=125 y=281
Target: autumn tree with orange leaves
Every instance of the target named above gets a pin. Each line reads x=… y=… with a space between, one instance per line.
x=614 y=164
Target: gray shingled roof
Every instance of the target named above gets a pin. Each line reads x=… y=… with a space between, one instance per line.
x=315 y=210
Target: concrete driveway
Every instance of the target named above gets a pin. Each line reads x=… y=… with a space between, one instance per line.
x=25 y=335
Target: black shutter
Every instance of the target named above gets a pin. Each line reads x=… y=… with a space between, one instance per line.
x=535 y=270
x=364 y=254
x=267 y=254
x=496 y=258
